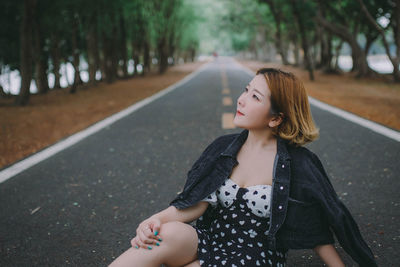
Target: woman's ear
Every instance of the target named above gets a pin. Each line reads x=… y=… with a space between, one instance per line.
x=276 y=120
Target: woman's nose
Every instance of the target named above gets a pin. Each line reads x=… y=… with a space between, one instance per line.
x=240 y=100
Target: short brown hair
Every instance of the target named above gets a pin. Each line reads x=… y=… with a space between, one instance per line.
x=288 y=96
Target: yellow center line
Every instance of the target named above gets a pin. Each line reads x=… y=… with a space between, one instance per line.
x=227 y=101
x=226 y=91
x=227 y=121
x=227 y=117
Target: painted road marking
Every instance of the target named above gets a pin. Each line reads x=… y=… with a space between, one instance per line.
x=226 y=91
x=227 y=121
x=227 y=117
x=224 y=79
x=227 y=101
x=75 y=138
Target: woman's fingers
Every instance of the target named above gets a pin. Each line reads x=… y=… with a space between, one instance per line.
x=156 y=227
x=147 y=234
x=146 y=239
x=138 y=243
x=135 y=243
x=151 y=232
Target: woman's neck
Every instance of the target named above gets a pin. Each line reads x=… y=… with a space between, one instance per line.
x=261 y=140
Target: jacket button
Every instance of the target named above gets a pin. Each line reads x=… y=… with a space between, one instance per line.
x=281 y=188
x=280 y=207
x=283 y=165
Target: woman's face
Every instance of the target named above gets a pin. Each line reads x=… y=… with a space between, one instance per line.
x=253 y=105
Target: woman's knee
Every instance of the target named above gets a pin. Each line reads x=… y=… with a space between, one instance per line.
x=181 y=240
x=175 y=232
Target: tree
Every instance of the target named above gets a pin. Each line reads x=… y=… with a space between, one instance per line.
x=350 y=15
x=300 y=19
x=26 y=38
x=392 y=9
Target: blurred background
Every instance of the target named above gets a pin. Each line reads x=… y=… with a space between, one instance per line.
x=46 y=45
x=68 y=64
x=65 y=65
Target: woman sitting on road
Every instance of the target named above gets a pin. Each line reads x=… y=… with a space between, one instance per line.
x=255 y=194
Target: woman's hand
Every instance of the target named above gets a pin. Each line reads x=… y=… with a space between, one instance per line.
x=147 y=234
x=329 y=255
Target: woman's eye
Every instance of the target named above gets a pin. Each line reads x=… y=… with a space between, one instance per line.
x=256 y=97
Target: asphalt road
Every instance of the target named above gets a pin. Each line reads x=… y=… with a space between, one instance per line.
x=81 y=207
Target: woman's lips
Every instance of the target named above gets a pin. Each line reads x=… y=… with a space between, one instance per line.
x=239 y=113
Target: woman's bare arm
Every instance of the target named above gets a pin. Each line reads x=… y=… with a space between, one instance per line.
x=329 y=255
x=185 y=215
x=147 y=231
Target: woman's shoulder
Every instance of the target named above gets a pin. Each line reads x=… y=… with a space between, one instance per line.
x=306 y=164
x=301 y=153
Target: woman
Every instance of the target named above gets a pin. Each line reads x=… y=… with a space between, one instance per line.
x=254 y=195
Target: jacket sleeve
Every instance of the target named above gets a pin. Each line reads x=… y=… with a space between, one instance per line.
x=339 y=217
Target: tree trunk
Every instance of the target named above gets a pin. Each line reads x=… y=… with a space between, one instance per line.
x=296 y=47
x=124 y=53
x=277 y=14
x=171 y=46
x=92 y=50
x=66 y=72
x=304 y=40
x=75 y=53
x=360 y=63
x=42 y=82
x=113 y=50
x=192 y=53
x=107 y=59
x=103 y=57
x=396 y=32
x=40 y=59
x=27 y=16
x=359 y=58
x=55 y=56
x=395 y=22
x=337 y=50
x=324 y=62
x=163 y=55
x=135 y=46
x=146 y=57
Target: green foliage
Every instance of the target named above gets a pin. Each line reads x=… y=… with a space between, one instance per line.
x=9 y=33
x=145 y=20
x=205 y=25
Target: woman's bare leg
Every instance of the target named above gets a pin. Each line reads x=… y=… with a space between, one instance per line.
x=178 y=248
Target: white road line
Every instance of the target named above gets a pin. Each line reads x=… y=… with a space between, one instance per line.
x=393 y=134
x=24 y=164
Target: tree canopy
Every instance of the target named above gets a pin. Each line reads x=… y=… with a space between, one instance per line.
x=37 y=37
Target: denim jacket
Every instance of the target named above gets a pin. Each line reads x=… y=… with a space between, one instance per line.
x=304 y=205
